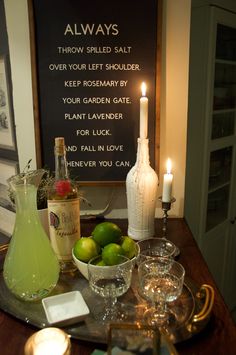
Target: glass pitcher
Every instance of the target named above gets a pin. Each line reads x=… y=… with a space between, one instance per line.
x=31 y=269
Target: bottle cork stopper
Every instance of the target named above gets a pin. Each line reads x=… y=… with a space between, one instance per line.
x=59 y=141
x=59 y=145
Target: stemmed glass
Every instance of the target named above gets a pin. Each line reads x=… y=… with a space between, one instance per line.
x=110 y=282
x=155 y=247
x=161 y=282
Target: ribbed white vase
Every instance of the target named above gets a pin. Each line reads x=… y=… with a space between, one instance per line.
x=141 y=189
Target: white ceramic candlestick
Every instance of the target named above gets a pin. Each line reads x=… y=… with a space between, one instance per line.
x=141 y=188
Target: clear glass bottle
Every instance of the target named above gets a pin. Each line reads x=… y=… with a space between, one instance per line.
x=31 y=269
x=63 y=210
x=141 y=189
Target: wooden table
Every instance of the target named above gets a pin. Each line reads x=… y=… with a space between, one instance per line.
x=219 y=336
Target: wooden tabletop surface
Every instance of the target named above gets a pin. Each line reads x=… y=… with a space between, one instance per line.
x=218 y=337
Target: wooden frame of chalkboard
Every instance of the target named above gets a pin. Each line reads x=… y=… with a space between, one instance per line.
x=88 y=62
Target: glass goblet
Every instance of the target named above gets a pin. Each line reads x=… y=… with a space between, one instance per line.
x=110 y=282
x=160 y=282
x=155 y=247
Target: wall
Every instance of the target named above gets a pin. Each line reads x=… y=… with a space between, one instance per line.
x=174 y=93
x=225 y=4
x=18 y=37
x=174 y=100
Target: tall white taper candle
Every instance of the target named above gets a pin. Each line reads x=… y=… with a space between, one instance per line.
x=143 y=127
x=167 y=183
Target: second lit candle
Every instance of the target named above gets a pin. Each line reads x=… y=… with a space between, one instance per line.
x=167 y=183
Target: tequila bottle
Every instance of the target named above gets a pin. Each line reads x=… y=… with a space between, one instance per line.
x=63 y=210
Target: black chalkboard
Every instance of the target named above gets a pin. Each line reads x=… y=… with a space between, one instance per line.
x=91 y=58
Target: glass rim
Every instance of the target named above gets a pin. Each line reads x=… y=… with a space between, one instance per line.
x=156 y=239
x=173 y=262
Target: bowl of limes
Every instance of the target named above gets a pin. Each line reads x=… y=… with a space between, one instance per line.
x=107 y=241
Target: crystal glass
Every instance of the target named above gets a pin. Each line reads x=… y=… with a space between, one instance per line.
x=110 y=282
x=155 y=247
x=31 y=269
x=160 y=282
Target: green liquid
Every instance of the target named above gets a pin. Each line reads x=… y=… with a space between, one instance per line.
x=31 y=269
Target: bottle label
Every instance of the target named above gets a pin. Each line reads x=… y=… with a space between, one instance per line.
x=64 y=226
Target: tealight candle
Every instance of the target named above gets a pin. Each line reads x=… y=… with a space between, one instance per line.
x=167 y=183
x=48 y=341
x=143 y=127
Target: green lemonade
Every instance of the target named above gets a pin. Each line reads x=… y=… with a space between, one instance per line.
x=31 y=269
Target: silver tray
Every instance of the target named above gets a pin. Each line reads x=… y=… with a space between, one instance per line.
x=191 y=311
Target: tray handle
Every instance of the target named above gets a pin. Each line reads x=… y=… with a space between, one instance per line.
x=207 y=292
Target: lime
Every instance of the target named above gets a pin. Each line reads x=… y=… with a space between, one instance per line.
x=129 y=246
x=100 y=263
x=106 y=232
x=111 y=254
x=97 y=261
x=86 y=249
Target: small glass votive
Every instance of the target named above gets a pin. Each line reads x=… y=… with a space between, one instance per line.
x=133 y=338
x=48 y=341
x=138 y=338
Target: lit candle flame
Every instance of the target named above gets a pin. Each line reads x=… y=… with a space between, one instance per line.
x=168 y=166
x=143 y=89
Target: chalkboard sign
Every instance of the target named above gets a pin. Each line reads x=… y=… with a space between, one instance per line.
x=90 y=59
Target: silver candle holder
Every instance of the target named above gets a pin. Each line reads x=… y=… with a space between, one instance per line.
x=166 y=206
